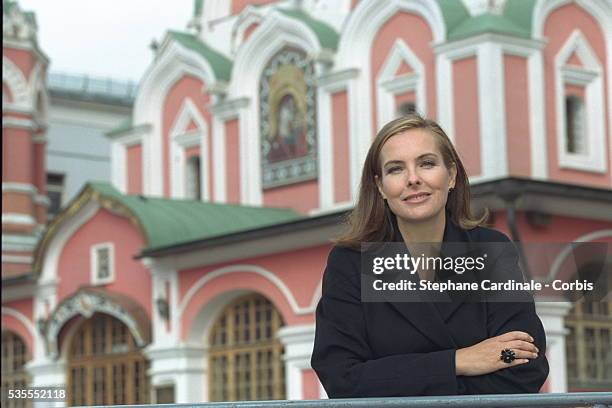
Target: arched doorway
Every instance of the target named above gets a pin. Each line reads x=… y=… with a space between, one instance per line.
x=245 y=356
x=105 y=365
x=589 y=339
x=14 y=375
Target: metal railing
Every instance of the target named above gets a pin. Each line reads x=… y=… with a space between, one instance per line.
x=568 y=400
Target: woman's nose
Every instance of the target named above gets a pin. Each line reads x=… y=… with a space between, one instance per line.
x=413 y=178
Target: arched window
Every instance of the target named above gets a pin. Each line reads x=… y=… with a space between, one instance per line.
x=14 y=375
x=575 y=125
x=589 y=340
x=245 y=360
x=105 y=367
x=192 y=178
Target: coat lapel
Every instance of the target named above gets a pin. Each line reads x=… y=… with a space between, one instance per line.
x=430 y=314
x=456 y=242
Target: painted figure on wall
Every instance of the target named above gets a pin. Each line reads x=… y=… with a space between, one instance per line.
x=287 y=118
x=289 y=140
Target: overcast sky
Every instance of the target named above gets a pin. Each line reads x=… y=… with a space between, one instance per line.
x=105 y=38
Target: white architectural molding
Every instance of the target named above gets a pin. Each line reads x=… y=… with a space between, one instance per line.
x=47 y=372
x=275 y=32
x=183 y=366
x=444 y=97
x=17 y=84
x=42 y=200
x=591 y=78
x=65 y=230
x=119 y=146
x=13 y=187
x=85 y=304
x=298 y=343
x=598 y=9
x=223 y=111
x=21 y=318
x=19 y=243
x=553 y=315
x=269 y=276
x=173 y=63
x=181 y=139
x=248 y=16
x=328 y=84
x=94 y=279
x=19 y=123
x=39 y=94
x=527 y=48
x=16 y=218
x=568 y=249
x=491 y=111
x=164 y=286
x=17 y=259
x=537 y=116
x=389 y=85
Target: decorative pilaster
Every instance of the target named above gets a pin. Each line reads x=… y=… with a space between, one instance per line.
x=298 y=342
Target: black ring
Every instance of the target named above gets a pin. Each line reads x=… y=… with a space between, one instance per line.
x=507 y=356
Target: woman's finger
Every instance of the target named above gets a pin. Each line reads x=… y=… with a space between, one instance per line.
x=515 y=335
x=522 y=354
x=521 y=345
x=518 y=361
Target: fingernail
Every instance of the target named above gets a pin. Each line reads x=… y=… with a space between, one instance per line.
x=532 y=340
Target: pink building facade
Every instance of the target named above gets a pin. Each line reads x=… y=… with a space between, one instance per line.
x=245 y=150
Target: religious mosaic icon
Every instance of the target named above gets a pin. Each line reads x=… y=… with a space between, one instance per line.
x=287 y=117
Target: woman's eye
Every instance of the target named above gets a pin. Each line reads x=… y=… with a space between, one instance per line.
x=392 y=170
x=428 y=164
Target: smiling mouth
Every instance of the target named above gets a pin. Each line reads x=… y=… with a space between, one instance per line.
x=416 y=198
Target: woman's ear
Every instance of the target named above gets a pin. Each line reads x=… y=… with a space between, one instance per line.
x=453 y=176
x=379 y=186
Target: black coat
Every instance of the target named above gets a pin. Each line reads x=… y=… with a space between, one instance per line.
x=390 y=349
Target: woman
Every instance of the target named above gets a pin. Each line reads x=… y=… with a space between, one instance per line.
x=414 y=188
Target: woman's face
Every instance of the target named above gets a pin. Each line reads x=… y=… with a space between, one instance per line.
x=415 y=181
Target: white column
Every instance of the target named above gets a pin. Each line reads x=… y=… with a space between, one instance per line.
x=173 y=363
x=493 y=151
x=184 y=367
x=329 y=83
x=298 y=342
x=553 y=315
x=165 y=333
x=47 y=372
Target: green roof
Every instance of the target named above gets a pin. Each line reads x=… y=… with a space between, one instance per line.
x=168 y=222
x=487 y=23
x=520 y=12
x=121 y=127
x=514 y=21
x=220 y=64
x=327 y=36
x=454 y=13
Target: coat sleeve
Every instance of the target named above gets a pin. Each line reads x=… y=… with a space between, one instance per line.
x=504 y=317
x=343 y=359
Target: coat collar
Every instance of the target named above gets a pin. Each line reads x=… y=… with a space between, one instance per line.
x=429 y=315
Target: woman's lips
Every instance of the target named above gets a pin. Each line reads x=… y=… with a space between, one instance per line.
x=416 y=198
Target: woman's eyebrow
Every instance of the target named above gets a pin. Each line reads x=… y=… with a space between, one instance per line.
x=427 y=154
x=418 y=158
x=393 y=162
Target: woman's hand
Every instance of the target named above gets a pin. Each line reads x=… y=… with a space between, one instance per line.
x=484 y=357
